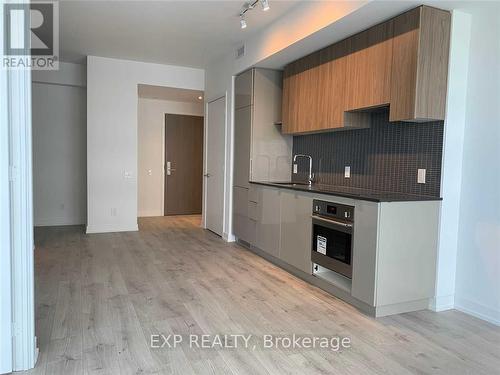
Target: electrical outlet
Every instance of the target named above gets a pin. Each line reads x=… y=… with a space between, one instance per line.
x=347 y=172
x=295 y=168
x=421 y=176
x=150 y=172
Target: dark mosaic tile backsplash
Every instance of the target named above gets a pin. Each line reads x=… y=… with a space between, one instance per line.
x=385 y=157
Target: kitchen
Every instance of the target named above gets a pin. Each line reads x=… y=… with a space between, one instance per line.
x=347 y=159
x=337 y=163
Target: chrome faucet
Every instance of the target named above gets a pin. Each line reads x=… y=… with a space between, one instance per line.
x=311 y=175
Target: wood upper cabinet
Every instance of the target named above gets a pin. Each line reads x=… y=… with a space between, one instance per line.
x=421 y=44
x=401 y=63
x=369 y=61
x=331 y=99
x=300 y=93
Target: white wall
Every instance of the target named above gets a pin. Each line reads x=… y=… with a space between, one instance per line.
x=451 y=180
x=59 y=146
x=151 y=125
x=112 y=115
x=478 y=258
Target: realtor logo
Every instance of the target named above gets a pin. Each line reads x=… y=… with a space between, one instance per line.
x=31 y=35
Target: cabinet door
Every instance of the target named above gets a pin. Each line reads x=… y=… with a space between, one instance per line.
x=364 y=255
x=369 y=67
x=300 y=85
x=332 y=83
x=271 y=151
x=242 y=140
x=267 y=236
x=420 y=65
x=243 y=227
x=243 y=89
x=296 y=230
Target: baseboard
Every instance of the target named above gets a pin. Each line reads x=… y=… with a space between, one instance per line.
x=442 y=303
x=150 y=214
x=478 y=310
x=110 y=228
x=401 y=308
x=58 y=221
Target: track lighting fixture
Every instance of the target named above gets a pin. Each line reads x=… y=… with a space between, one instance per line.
x=249 y=6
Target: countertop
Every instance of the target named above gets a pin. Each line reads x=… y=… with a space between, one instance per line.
x=349 y=192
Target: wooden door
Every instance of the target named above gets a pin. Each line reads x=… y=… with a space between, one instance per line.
x=369 y=67
x=183 y=164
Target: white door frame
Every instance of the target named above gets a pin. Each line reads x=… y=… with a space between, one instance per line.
x=17 y=157
x=5 y=251
x=205 y=163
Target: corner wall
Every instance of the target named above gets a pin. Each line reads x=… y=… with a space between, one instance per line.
x=59 y=148
x=112 y=115
x=478 y=257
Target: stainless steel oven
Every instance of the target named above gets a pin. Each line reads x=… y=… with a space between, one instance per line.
x=332 y=236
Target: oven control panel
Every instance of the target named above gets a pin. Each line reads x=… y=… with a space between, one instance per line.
x=333 y=210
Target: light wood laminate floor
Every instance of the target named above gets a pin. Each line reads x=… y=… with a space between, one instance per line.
x=99 y=298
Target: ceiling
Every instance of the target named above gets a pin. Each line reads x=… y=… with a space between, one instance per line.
x=186 y=33
x=170 y=93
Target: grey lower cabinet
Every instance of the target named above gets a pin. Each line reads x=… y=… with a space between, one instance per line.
x=296 y=230
x=394 y=248
x=243 y=226
x=268 y=223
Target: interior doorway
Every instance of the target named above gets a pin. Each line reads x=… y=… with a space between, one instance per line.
x=215 y=167
x=170 y=128
x=183 y=164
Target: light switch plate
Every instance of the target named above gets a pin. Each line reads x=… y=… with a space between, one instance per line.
x=295 y=168
x=347 y=172
x=421 y=176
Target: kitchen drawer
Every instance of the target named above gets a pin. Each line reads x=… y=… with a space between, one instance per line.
x=254 y=193
x=253 y=211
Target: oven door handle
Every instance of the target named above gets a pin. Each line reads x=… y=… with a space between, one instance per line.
x=330 y=221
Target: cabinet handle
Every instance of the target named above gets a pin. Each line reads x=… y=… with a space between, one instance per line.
x=331 y=221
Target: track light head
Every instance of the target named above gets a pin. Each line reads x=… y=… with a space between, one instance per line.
x=265 y=5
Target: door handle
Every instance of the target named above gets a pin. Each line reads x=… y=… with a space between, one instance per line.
x=206 y=175
x=169 y=168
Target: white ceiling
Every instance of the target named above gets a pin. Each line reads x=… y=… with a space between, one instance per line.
x=186 y=33
x=170 y=93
